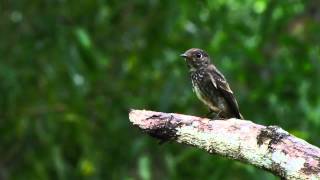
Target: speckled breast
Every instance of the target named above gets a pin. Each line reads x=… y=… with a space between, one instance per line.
x=204 y=89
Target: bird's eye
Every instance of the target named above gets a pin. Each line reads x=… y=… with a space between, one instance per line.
x=199 y=55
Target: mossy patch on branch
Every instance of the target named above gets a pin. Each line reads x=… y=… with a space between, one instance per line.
x=165 y=130
x=272 y=133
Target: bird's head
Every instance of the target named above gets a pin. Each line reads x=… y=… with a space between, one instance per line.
x=196 y=58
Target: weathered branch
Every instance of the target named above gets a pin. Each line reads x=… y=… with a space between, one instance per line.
x=267 y=147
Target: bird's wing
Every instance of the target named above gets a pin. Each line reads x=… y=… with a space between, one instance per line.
x=222 y=85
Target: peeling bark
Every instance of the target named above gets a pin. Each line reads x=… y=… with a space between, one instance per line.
x=267 y=147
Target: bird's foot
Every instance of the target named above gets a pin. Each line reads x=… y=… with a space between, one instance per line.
x=215 y=116
x=210 y=114
x=218 y=118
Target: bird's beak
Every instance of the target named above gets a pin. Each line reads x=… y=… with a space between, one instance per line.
x=183 y=55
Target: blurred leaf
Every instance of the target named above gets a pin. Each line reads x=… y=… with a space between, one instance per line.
x=144 y=168
x=83 y=38
x=87 y=168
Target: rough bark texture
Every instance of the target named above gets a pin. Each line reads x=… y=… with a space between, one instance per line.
x=267 y=147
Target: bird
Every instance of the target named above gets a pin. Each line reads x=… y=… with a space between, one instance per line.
x=210 y=86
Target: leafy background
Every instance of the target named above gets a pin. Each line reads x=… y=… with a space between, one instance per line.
x=70 y=70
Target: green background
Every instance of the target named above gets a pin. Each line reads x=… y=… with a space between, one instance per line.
x=71 y=70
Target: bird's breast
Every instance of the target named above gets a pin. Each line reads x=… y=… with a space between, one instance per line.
x=198 y=83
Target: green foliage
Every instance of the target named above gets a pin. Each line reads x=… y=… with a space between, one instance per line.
x=71 y=70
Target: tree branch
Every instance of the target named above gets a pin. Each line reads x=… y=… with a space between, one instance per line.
x=267 y=147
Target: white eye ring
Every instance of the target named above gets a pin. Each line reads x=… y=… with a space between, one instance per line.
x=199 y=55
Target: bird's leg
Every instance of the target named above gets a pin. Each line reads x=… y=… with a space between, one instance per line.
x=209 y=114
x=212 y=115
x=218 y=117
